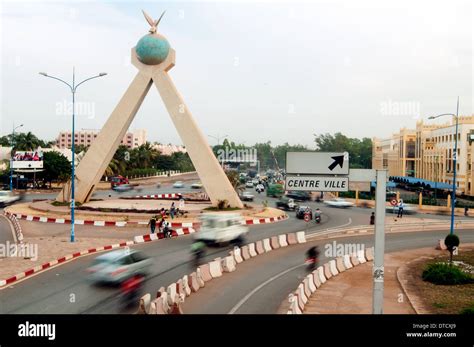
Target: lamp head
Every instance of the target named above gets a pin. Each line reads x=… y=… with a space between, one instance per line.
x=44 y=74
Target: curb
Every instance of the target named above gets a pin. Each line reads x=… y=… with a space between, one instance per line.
x=99 y=223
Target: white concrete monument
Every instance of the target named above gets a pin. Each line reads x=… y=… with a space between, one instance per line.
x=153 y=57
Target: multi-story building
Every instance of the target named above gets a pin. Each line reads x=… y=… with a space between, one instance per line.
x=86 y=137
x=427 y=153
x=169 y=149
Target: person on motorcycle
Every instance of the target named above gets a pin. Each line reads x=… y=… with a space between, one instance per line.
x=312 y=257
x=131 y=289
x=198 y=250
x=317 y=215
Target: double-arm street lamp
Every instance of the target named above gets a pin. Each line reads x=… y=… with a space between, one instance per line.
x=11 y=155
x=73 y=89
x=455 y=155
x=218 y=138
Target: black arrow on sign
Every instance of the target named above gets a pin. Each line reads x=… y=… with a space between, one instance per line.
x=338 y=160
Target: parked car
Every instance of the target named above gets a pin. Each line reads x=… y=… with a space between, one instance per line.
x=117 y=266
x=301 y=210
x=299 y=195
x=249 y=184
x=196 y=185
x=220 y=228
x=286 y=204
x=338 y=202
x=178 y=184
x=8 y=198
x=246 y=196
x=118 y=181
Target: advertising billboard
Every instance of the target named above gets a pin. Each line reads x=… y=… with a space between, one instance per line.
x=28 y=160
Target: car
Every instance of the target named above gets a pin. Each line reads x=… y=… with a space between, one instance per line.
x=123 y=188
x=178 y=184
x=246 y=196
x=259 y=188
x=275 y=190
x=338 y=202
x=299 y=195
x=249 y=184
x=118 y=181
x=221 y=228
x=301 y=210
x=255 y=181
x=286 y=204
x=8 y=198
x=196 y=185
x=117 y=266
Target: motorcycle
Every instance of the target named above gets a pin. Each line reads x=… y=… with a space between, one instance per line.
x=317 y=219
x=311 y=263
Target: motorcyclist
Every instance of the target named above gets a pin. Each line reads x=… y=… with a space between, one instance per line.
x=317 y=215
x=198 y=250
x=131 y=289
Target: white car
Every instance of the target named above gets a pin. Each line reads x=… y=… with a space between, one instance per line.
x=338 y=202
x=255 y=181
x=247 y=196
x=249 y=184
x=178 y=184
x=197 y=185
x=7 y=198
x=260 y=188
x=221 y=228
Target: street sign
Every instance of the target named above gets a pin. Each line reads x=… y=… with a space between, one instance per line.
x=317 y=163
x=317 y=183
x=307 y=217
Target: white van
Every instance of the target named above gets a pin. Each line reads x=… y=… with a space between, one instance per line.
x=220 y=228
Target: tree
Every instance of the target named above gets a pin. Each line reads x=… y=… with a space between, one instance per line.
x=451 y=241
x=56 y=167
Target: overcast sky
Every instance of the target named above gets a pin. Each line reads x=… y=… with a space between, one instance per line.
x=255 y=71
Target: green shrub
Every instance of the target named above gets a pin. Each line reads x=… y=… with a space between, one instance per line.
x=468 y=310
x=442 y=273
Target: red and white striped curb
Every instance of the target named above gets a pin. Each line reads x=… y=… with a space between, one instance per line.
x=101 y=223
x=154 y=196
x=159 y=236
x=61 y=260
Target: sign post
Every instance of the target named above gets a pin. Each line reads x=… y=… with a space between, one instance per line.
x=379 y=248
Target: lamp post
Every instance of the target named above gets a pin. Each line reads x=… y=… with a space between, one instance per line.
x=218 y=138
x=455 y=154
x=73 y=89
x=11 y=156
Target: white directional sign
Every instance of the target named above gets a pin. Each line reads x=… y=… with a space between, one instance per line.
x=317 y=163
x=317 y=183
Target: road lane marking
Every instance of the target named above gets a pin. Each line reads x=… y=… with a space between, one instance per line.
x=336 y=227
x=249 y=295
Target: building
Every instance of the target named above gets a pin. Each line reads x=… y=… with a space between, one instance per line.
x=86 y=137
x=427 y=153
x=169 y=148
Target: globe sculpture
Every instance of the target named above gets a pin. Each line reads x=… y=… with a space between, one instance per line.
x=152 y=49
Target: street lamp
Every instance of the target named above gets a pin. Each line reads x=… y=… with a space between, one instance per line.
x=11 y=156
x=218 y=138
x=73 y=89
x=455 y=154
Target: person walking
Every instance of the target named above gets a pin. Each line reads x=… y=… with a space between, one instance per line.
x=152 y=224
x=172 y=210
x=400 y=209
x=372 y=218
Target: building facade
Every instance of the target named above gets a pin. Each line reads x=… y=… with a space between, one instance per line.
x=86 y=137
x=427 y=153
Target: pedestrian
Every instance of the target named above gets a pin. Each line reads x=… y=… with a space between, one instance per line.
x=172 y=210
x=163 y=213
x=400 y=209
x=466 y=211
x=166 y=229
x=372 y=218
x=152 y=224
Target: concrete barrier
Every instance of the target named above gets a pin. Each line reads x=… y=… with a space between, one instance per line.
x=180 y=287
x=347 y=261
x=282 y=240
x=252 y=250
x=215 y=268
x=245 y=252
x=160 y=291
x=302 y=293
x=159 y=306
x=316 y=280
x=361 y=256
x=441 y=245
x=144 y=306
x=259 y=247
x=300 y=237
x=153 y=308
x=274 y=242
x=266 y=245
x=291 y=238
x=307 y=291
x=205 y=272
x=333 y=268
x=187 y=289
x=294 y=307
x=193 y=282
x=166 y=306
x=322 y=277
x=340 y=264
x=228 y=264
x=172 y=293
x=327 y=271
x=237 y=254
x=199 y=277
x=176 y=307
x=369 y=254
x=354 y=259
x=311 y=285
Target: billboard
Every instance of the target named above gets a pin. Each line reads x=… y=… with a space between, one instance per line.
x=28 y=160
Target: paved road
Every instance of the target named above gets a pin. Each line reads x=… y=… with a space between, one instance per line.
x=5 y=229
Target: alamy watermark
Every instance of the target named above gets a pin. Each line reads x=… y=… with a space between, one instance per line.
x=334 y=249
x=26 y=250
x=81 y=108
x=400 y=108
x=246 y=155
